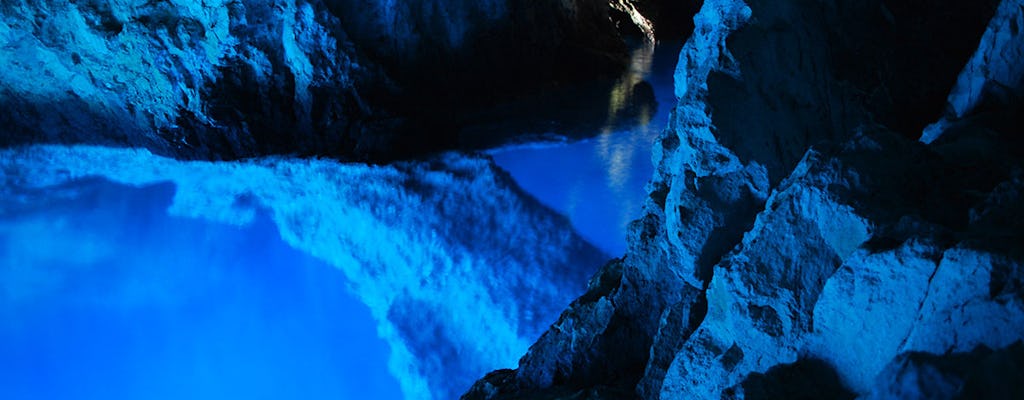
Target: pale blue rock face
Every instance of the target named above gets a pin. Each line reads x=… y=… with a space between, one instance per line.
x=169 y=75
x=799 y=241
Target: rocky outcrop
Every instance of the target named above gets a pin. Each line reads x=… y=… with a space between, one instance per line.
x=232 y=79
x=218 y=80
x=993 y=78
x=980 y=374
x=798 y=237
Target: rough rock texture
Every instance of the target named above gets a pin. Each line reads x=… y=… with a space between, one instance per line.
x=993 y=78
x=222 y=79
x=799 y=241
x=979 y=374
x=460 y=268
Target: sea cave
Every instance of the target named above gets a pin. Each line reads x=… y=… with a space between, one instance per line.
x=511 y=199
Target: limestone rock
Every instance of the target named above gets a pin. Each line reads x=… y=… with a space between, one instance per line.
x=224 y=79
x=993 y=77
x=979 y=374
x=797 y=231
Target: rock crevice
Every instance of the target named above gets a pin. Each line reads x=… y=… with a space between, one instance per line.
x=799 y=239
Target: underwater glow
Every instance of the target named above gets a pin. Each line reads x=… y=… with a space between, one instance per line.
x=282 y=277
x=106 y=296
x=460 y=271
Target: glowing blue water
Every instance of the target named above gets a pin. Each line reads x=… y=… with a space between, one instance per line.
x=105 y=296
x=599 y=183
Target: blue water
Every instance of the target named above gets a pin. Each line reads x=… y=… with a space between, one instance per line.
x=599 y=183
x=105 y=296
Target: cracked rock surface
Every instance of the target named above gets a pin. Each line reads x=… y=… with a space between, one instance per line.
x=228 y=79
x=799 y=240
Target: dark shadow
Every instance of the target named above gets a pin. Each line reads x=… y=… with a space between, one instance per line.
x=808 y=379
x=815 y=72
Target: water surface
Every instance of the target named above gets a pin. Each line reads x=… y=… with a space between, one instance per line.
x=599 y=183
x=104 y=294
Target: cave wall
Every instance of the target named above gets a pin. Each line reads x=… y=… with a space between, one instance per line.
x=219 y=79
x=455 y=42
x=227 y=79
x=800 y=241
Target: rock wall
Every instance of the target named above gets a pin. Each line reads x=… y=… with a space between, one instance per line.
x=799 y=240
x=224 y=79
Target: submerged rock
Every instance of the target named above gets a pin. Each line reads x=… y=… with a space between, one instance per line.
x=461 y=270
x=798 y=237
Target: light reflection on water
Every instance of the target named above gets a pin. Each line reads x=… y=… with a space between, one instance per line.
x=598 y=183
x=307 y=337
